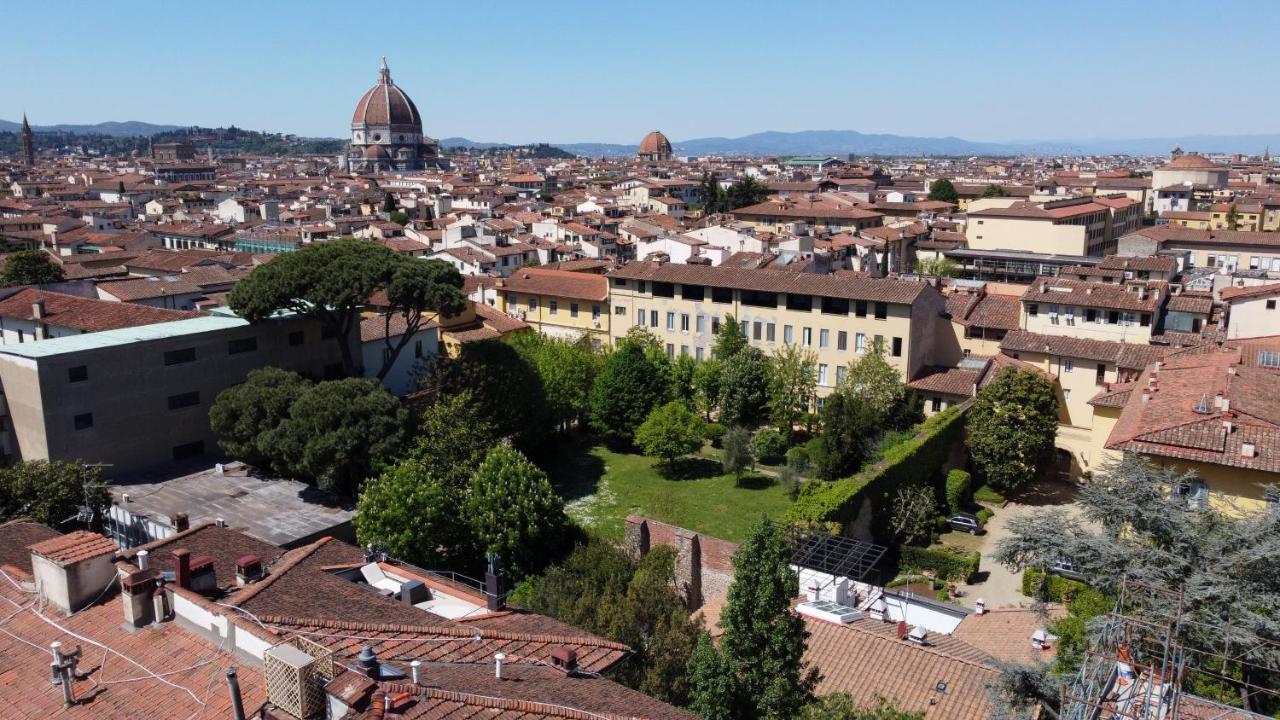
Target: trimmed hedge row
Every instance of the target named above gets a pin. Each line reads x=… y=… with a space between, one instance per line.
x=947 y=563
x=1060 y=589
x=958 y=485
x=836 y=504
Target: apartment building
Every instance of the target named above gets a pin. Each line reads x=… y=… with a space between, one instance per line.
x=1222 y=250
x=135 y=397
x=559 y=302
x=1075 y=226
x=1096 y=310
x=837 y=316
x=1085 y=370
x=822 y=215
x=1252 y=311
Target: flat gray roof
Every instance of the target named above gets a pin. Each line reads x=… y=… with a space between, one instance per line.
x=281 y=512
x=123 y=336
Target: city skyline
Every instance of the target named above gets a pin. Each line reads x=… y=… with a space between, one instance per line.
x=504 y=75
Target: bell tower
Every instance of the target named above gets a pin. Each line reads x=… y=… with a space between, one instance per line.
x=28 y=147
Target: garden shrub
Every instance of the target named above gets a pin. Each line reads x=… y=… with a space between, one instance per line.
x=947 y=563
x=769 y=445
x=957 y=490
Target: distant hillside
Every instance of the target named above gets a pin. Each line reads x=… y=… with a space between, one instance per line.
x=128 y=128
x=222 y=141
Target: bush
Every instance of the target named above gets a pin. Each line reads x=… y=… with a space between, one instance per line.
x=988 y=494
x=798 y=459
x=769 y=445
x=985 y=515
x=947 y=563
x=1056 y=589
x=957 y=490
x=715 y=433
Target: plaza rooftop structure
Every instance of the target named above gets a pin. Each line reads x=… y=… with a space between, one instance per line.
x=282 y=512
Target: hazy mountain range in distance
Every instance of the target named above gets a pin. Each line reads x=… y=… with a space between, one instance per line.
x=816 y=142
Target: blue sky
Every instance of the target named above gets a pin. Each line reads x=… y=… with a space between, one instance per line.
x=603 y=71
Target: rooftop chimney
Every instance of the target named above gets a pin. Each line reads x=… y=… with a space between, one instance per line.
x=135 y=593
x=498 y=659
x=415 y=671
x=1248 y=450
x=1040 y=639
x=180 y=522
x=493 y=584
x=37 y=309
x=143 y=559
x=980 y=606
x=248 y=569
x=182 y=568
x=565 y=659
x=368 y=662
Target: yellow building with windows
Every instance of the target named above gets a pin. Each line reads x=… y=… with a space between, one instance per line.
x=838 y=317
x=559 y=303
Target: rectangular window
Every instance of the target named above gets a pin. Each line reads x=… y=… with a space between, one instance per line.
x=769 y=332
x=83 y=421
x=1101 y=374
x=653 y=318
x=860 y=342
x=721 y=295
x=1271 y=304
x=573 y=310
x=242 y=345
x=188 y=450
x=882 y=310
x=640 y=286
x=824 y=338
x=684 y=349
x=842 y=340
x=1091 y=315
x=715 y=325
x=640 y=317
x=835 y=306
x=664 y=289
x=692 y=292
x=936 y=404
x=671 y=350
x=803 y=303
x=178 y=357
x=671 y=320
x=757 y=330
x=840 y=373
x=755 y=298
x=553 y=307
x=79 y=373
x=860 y=308
x=619 y=282
x=297 y=337
x=595 y=312
x=806 y=337
x=822 y=373
x=1113 y=317
x=1145 y=320
x=701 y=324
x=533 y=304
x=684 y=322
x=697 y=353
x=788 y=334
x=897 y=347
x=1068 y=365
x=184 y=400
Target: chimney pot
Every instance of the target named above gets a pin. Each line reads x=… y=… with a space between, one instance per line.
x=182 y=568
x=37 y=309
x=180 y=522
x=368 y=662
x=498 y=659
x=415 y=671
x=143 y=557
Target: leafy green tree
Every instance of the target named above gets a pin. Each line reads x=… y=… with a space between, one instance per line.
x=332 y=282
x=746 y=191
x=938 y=267
x=514 y=512
x=712 y=196
x=29 y=267
x=769 y=445
x=388 y=203
x=339 y=432
x=730 y=339
x=415 y=514
x=849 y=426
x=399 y=217
x=53 y=492
x=913 y=511
x=505 y=388
x=671 y=431
x=629 y=387
x=706 y=383
x=682 y=373
x=245 y=415
x=1012 y=427
x=1233 y=218
x=793 y=384
x=873 y=382
x=567 y=370
x=713 y=684
x=839 y=706
x=764 y=641
x=735 y=452
x=452 y=438
x=994 y=191
x=944 y=191
x=744 y=388
x=602 y=590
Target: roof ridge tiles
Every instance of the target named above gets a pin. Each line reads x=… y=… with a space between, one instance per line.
x=462 y=632
x=487 y=701
x=282 y=566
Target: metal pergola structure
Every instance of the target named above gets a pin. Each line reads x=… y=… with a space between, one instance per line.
x=834 y=554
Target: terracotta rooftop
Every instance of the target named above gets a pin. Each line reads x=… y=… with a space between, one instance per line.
x=559 y=283
x=16 y=539
x=1130 y=356
x=74 y=547
x=1086 y=293
x=1005 y=633
x=84 y=314
x=873 y=289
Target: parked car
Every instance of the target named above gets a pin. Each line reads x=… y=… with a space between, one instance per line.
x=1066 y=569
x=965 y=522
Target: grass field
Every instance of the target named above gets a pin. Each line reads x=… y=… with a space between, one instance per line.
x=602 y=486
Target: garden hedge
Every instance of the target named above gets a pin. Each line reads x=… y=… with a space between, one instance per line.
x=958 y=485
x=835 y=505
x=947 y=563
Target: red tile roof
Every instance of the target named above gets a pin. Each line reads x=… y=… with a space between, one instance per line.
x=74 y=547
x=1129 y=356
x=559 y=283
x=874 y=289
x=84 y=314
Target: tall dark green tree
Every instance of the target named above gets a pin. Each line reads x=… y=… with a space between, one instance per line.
x=1012 y=428
x=29 y=267
x=746 y=191
x=764 y=640
x=712 y=195
x=744 y=388
x=515 y=513
x=505 y=388
x=993 y=191
x=849 y=426
x=629 y=387
x=730 y=338
x=246 y=415
x=943 y=190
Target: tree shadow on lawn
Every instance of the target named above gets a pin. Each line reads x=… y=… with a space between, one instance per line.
x=756 y=482
x=575 y=471
x=689 y=468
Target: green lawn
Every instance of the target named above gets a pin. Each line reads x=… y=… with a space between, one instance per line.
x=601 y=487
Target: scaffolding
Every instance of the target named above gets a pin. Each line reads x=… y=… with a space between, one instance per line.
x=1138 y=661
